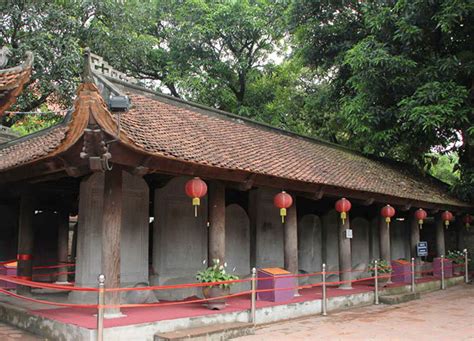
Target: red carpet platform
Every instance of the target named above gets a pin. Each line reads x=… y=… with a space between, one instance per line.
x=85 y=317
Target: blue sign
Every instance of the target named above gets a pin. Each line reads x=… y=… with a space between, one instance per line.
x=422 y=249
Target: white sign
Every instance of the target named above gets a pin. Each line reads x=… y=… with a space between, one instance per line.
x=349 y=233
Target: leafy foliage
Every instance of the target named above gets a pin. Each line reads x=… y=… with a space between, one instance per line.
x=383 y=267
x=31 y=123
x=456 y=256
x=443 y=166
x=216 y=273
x=399 y=75
x=50 y=30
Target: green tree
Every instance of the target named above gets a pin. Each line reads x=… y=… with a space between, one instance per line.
x=207 y=51
x=399 y=75
x=51 y=31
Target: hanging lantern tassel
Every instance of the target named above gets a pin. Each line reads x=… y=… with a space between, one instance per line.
x=343 y=217
x=387 y=220
x=196 y=203
x=283 y=214
x=420 y=224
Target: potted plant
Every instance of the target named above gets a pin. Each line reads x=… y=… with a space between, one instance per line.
x=215 y=273
x=457 y=258
x=384 y=270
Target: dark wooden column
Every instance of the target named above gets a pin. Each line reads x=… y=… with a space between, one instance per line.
x=63 y=241
x=111 y=232
x=252 y=211
x=440 y=244
x=290 y=239
x=216 y=230
x=414 y=240
x=460 y=228
x=345 y=256
x=384 y=240
x=25 y=242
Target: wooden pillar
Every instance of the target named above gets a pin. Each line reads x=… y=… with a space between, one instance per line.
x=252 y=211
x=345 y=257
x=440 y=244
x=111 y=234
x=290 y=240
x=216 y=230
x=384 y=240
x=460 y=228
x=414 y=240
x=74 y=243
x=63 y=242
x=25 y=243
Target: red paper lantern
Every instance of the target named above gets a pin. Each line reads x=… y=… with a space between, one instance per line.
x=387 y=212
x=447 y=217
x=283 y=201
x=420 y=215
x=467 y=220
x=343 y=206
x=196 y=189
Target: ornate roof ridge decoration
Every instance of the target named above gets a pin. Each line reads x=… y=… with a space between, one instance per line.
x=102 y=67
x=12 y=81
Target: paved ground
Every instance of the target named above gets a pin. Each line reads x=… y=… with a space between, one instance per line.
x=441 y=315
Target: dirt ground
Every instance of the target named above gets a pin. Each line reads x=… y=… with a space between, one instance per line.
x=440 y=315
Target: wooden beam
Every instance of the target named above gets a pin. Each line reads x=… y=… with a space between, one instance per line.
x=25 y=242
x=440 y=240
x=345 y=256
x=368 y=202
x=318 y=195
x=405 y=207
x=248 y=183
x=290 y=240
x=384 y=235
x=216 y=230
x=111 y=234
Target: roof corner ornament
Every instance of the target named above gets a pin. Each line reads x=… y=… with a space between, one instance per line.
x=87 y=72
x=5 y=53
x=95 y=149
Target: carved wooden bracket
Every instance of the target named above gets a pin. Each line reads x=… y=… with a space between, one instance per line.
x=95 y=149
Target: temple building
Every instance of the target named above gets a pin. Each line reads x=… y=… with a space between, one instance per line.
x=120 y=161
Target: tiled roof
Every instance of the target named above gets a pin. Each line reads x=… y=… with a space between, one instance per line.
x=56 y=139
x=164 y=127
x=31 y=148
x=12 y=81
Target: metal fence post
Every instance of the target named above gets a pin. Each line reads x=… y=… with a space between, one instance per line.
x=100 y=309
x=466 y=267
x=324 y=301
x=442 y=273
x=413 y=274
x=376 y=272
x=253 y=295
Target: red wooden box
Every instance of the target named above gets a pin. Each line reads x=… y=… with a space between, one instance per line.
x=8 y=269
x=401 y=271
